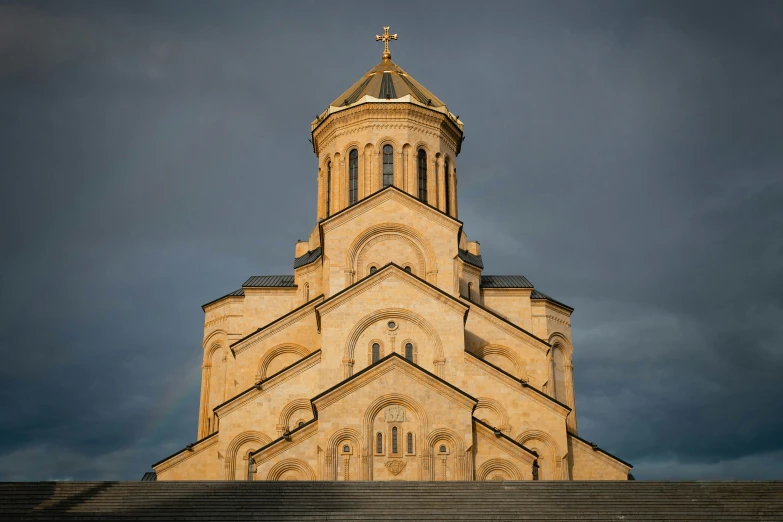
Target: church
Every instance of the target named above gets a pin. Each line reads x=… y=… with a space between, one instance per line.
x=388 y=354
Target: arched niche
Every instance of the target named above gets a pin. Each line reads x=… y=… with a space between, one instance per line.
x=423 y=261
x=235 y=457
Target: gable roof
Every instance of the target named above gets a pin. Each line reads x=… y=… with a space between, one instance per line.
x=473 y=259
x=505 y=437
x=235 y=293
x=375 y=194
x=503 y=281
x=535 y=294
x=391 y=356
x=306 y=259
x=380 y=273
x=282 y=317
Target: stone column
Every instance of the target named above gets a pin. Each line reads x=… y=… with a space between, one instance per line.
x=399 y=171
x=569 y=386
x=206 y=374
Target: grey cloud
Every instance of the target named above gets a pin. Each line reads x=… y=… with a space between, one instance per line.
x=625 y=157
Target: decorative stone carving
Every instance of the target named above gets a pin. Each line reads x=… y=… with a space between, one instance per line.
x=395 y=466
x=395 y=414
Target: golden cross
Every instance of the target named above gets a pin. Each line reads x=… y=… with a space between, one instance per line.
x=385 y=37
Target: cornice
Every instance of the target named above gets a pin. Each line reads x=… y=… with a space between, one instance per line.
x=389 y=271
x=390 y=114
x=184 y=454
x=222 y=301
x=382 y=196
x=582 y=445
x=281 y=323
x=503 y=442
x=529 y=391
x=271 y=382
x=392 y=362
x=508 y=327
x=275 y=447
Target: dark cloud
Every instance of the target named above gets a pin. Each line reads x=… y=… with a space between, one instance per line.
x=625 y=157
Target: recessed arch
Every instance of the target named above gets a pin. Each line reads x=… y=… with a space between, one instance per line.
x=499 y=411
x=514 y=360
x=296 y=466
x=412 y=235
x=484 y=472
x=276 y=351
x=334 y=450
x=549 y=456
x=233 y=448
x=292 y=407
x=391 y=313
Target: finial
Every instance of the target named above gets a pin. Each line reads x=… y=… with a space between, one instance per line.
x=386 y=37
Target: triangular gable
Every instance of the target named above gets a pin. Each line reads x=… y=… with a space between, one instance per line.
x=390 y=270
x=483 y=313
x=393 y=361
x=385 y=194
x=281 y=322
x=505 y=442
x=518 y=384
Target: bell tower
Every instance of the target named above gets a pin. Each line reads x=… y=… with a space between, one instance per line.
x=386 y=129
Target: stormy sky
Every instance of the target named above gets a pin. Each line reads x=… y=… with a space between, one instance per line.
x=626 y=157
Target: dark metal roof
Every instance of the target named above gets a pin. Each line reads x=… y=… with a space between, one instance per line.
x=473 y=259
x=499 y=281
x=535 y=294
x=270 y=281
x=307 y=258
x=387 y=87
x=149 y=476
x=239 y=292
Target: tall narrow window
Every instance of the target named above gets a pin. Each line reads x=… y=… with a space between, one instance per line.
x=446 y=186
x=470 y=291
x=410 y=442
x=422 y=164
x=378 y=443
x=535 y=469
x=388 y=165
x=328 y=188
x=353 y=176
x=409 y=351
x=376 y=352
x=394 y=439
x=307 y=292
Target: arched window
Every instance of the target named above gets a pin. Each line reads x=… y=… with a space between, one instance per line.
x=409 y=351
x=446 y=186
x=410 y=442
x=388 y=165
x=376 y=352
x=378 y=442
x=422 y=160
x=328 y=188
x=408 y=269
x=394 y=439
x=353 y=176
x=373 y=269
x=442 y=448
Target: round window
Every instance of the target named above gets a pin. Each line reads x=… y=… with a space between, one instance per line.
x=392 y=325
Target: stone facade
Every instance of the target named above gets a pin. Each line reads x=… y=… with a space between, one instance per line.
x=388 y=355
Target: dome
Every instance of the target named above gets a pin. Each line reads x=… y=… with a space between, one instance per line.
x=387 y=81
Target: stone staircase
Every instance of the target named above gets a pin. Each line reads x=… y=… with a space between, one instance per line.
x=631 y=500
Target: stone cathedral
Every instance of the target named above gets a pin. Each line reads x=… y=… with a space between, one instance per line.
x=388 y=354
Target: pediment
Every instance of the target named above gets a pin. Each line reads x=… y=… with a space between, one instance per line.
x=386 y=197
x=405 y=376
x=392 y=275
